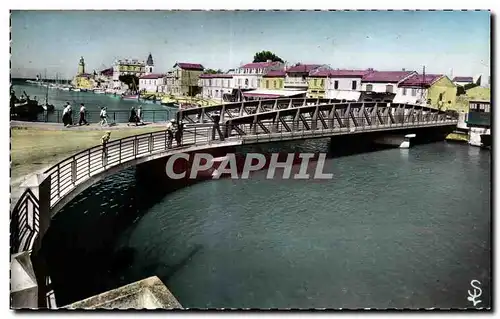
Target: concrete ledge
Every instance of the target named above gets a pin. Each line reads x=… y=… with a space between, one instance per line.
x=23 y=285
x=149 y=293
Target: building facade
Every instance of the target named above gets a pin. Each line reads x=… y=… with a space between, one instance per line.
x=214 y=86
x=382 y=86
x=273 y=80
x=316 y=82
x=462 y=80
x=152 y=83
x=83 y=80
x=433 y=90
x=344 y=85
x=182 y=80
x=297 y=76
x=131 y=66
x=249 y=76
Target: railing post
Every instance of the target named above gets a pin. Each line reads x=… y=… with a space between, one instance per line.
x=195 y=135
x=150 y=142
x=58 y=180
x=135 y=147
x=165 y=140
x=89 y=162
x=114 y=116
x=120 y=152
x=73 y=170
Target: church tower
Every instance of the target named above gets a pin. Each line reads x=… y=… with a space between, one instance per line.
x=149 y=64
x=81 y=66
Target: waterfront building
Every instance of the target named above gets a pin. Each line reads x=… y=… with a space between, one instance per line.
x=382 y=86
x=249 y=76
x=463 y=80
x=131 y=66
x=182 y=80
x=297 y=76
x=479 y=123
x=214 y=86
x=273 y=80
x=262 y=94
x=344 y=85
x=433 y=90
x=152 y=83
x=316 y=82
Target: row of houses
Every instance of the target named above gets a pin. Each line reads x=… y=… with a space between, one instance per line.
x=262 y=80
x=273 y=79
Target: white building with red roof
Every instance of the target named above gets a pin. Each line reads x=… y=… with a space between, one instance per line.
x=297 y=76
x=344 y=85
x=248 y=76
x=214 y=86
x=382 y=86
x=152 y=83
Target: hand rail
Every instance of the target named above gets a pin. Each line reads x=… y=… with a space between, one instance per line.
x=68 y=173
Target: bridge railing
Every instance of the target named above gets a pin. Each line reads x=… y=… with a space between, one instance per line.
x=118 y=116
x=68 y=173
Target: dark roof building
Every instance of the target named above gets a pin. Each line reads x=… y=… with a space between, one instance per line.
x=467 y=79
x=190 y=66
x=420 y=80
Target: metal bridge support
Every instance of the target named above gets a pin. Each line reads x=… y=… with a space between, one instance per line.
x=253 y=126
x=275 y=105
x=242 y=108
x=274 y=125
x=314 y=122
x=347 y=116
x=331 y=118
x=222 y=113
x=259 y=107
x=295 y=124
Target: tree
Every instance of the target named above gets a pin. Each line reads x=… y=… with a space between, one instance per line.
x=212 y=71
x=129 y=79
x=263 y=56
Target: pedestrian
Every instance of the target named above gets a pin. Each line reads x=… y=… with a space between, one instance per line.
x=139 y=115
x=70 y=114
x=103 y=116
x=65 y=115
x=178 y=134
x=104 y=140
x=133 y=116
x=82 y=115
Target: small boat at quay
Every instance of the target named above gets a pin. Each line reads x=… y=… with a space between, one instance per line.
x=130 y=97
x=98 y=91
x=75 y=89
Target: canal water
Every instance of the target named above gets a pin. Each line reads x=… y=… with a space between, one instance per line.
x=394 y=228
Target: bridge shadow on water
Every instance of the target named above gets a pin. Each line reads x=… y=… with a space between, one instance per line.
x=82 y=248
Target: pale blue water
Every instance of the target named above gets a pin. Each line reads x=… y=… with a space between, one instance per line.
x=393 y=229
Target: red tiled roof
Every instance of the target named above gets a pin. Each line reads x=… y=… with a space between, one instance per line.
x=463 y=79
x=275 y=74
x=259 y=65
x=305 y=68
x=190 y=66
x=386 y=76
x=218 y=76
x=348 y=73
x=419 y=80
x=152 y=76
x=320 y=72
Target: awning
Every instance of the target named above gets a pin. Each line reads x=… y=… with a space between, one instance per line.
x=346 y=95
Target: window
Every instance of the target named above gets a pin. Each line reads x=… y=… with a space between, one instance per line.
x=413 y=92
x=246 y=81
x=354 y=85
x=429 y=101
x=404 y=91
x=315 y=82
x=210 y=82
x=239 y=81
x=258 y=82
x=275 y=84
x=216 y=93
x=336 y=85
x=388 y=88
x=441 y=96
x=369 y=87
x=267 y=84
x=322 y=82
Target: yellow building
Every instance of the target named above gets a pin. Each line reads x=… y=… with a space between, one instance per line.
x=435 y=90
x=183 y=79
x=316 y=83
x=273 y=80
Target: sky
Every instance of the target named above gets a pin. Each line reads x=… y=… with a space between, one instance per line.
x=454 y=43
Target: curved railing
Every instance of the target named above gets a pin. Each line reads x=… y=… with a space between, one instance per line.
x=69 y=173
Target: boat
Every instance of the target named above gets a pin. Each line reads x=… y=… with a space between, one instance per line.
x=75 y=90
x=130 y=97
x=98 y=91
x=486 y=140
